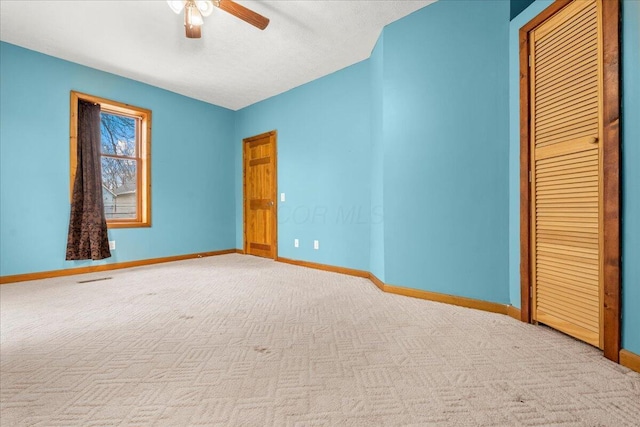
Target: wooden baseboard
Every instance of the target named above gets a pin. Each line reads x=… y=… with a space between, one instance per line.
x=379 y=283
x=415 y=293
x=514 y=312
x=630 y=360
x=325 y=267
x=106 y=267
x=448 y=299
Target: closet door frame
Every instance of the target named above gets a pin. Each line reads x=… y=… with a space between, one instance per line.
x=611 y=302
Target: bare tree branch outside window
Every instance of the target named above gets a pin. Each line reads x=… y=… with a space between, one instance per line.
x=119 y=165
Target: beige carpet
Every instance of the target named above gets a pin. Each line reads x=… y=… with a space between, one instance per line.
x=235 y=340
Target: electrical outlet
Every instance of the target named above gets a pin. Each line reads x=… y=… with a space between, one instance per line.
x=112 y=245
x=316 y=244
x=296 y=243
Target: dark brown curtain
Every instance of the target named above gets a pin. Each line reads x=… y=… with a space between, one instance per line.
x=88 y=237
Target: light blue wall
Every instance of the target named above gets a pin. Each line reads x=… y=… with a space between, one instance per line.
x=377 y=258
x=446 y=149
x=630 y=164
x=192 y=175
x=324 y=166
x=631 y=175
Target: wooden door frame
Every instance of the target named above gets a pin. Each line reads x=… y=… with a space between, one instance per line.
x=611 y=304
x=274 y=194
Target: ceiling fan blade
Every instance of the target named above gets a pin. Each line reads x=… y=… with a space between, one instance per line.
x=243 y=13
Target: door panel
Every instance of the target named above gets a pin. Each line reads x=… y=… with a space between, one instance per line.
x=566 y=171
x=260 y=223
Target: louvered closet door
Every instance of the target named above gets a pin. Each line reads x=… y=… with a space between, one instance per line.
x=566 y=129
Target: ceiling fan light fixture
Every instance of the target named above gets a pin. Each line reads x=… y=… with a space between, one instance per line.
x=205 y=7
x=192 y=16
x=176 y=5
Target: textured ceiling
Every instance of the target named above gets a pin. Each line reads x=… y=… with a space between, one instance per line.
x=233 y=65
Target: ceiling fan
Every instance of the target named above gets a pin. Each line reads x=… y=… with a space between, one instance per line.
x=195 y=10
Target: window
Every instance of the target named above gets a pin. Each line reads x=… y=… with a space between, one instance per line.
x=125 y=154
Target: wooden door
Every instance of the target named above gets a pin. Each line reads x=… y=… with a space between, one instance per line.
x=260 y=190
x=566 y=171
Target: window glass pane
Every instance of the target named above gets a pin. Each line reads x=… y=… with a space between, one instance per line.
x=119 y=188
x=118 y=134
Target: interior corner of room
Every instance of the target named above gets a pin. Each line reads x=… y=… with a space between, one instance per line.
x=404 y=167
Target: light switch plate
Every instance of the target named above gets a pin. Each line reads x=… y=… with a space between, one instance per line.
x=282 y=197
